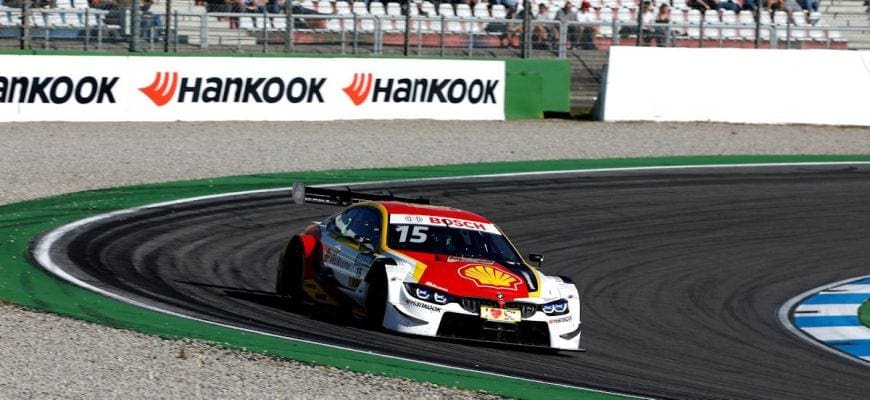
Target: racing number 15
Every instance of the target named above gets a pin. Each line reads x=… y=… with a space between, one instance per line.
x=418 y=233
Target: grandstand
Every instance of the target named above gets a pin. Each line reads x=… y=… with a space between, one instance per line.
x=380 y=26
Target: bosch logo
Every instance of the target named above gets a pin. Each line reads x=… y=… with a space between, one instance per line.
x=167 y=86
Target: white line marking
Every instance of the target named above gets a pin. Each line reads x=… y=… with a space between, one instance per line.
x=42 y=250
x=831 y=333
x=849 y=289
x=826 y=310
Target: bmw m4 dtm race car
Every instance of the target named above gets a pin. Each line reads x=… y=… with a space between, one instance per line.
x=414 y=268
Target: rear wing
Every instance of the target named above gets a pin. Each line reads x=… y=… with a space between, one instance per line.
x=338 y=197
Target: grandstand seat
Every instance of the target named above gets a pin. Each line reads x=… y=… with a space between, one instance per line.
x=624 y=16
x=481 y=11
x=279 y=23
x=395 y=21
x=678 y=17
x=37 y=18
x=325 y=7
x=453 y=25
x=711 y=24
x=817 y=33
x=605 y=16
x=54 y=18
x=729 y=17
x=799 y=29
x=747 y=25
x=430 y=24
x=6 y=17
x=247 y=23
x=694 y=17
x=498 y=11
x=376 y=9
x=781 y=20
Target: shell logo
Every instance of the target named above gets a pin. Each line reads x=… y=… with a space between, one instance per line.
x=488 y=276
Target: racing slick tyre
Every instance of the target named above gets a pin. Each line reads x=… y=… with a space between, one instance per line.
x=290 y=273
x=376 y=299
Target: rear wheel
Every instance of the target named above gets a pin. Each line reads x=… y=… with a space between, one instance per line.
x=290 y=273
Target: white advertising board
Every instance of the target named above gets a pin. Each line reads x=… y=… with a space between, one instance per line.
x=828 y=87
x=114 y=88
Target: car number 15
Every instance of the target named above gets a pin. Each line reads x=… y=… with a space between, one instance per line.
x=417 y=233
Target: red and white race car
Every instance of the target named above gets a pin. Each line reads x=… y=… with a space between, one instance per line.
x=419 y=269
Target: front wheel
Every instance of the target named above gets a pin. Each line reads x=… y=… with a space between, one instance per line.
x=376 y=300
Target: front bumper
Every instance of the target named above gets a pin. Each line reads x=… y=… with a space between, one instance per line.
x=410 y=315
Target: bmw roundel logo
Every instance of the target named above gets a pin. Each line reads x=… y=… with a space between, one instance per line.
x=499 y=296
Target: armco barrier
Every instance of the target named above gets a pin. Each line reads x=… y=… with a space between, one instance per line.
x=159 y=88
x=827 y=87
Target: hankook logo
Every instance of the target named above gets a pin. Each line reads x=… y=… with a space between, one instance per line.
x=420 y=90
x=162 y=89
x=359 y=89
x=167 y=86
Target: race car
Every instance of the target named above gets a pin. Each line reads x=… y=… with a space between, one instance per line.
x=407 y=266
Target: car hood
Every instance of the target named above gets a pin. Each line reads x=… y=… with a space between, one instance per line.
x=469 y=277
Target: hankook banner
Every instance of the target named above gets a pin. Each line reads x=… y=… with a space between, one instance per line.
x=107 y=88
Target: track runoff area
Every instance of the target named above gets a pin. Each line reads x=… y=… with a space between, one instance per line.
x=44 y=255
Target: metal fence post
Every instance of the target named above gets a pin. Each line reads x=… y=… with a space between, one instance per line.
x=443 y=32
x=288 y=33
x=203 y=32
x=407 y=47
x=265 y=32
x=355 y=34
x=24 y=39
x=87 y=29
x=166 y=26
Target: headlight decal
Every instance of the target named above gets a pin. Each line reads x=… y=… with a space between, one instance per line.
x=558 y=307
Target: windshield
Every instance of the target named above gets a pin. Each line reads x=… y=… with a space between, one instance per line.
x=452 y=241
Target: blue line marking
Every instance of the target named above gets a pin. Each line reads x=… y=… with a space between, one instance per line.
x=815 y=322
x=857 y=348
x=837 y=298
x=861 y=282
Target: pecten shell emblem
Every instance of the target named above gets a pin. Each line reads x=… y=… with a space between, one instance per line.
x=488 y=276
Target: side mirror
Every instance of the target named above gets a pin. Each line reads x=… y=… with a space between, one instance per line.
x=364 y=243
x=537 y=258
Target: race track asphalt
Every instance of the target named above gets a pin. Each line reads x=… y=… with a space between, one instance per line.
x=682 y=272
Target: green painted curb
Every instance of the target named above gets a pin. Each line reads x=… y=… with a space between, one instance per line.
x=23 y=284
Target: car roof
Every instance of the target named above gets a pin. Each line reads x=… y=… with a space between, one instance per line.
x=396 y=207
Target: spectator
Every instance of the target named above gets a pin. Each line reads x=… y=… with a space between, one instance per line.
x=149 y=20
x=565 y=15
x=661 y=34
x=729 y=5
x=648 y=16
x=540 y=32
x=509 y=33
x=588 y=32
x=703 y=5
x=810 y=5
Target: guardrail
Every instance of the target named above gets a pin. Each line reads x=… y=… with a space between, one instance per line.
x=386 y=34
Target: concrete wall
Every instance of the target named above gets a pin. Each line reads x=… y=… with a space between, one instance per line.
x=830 y=87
